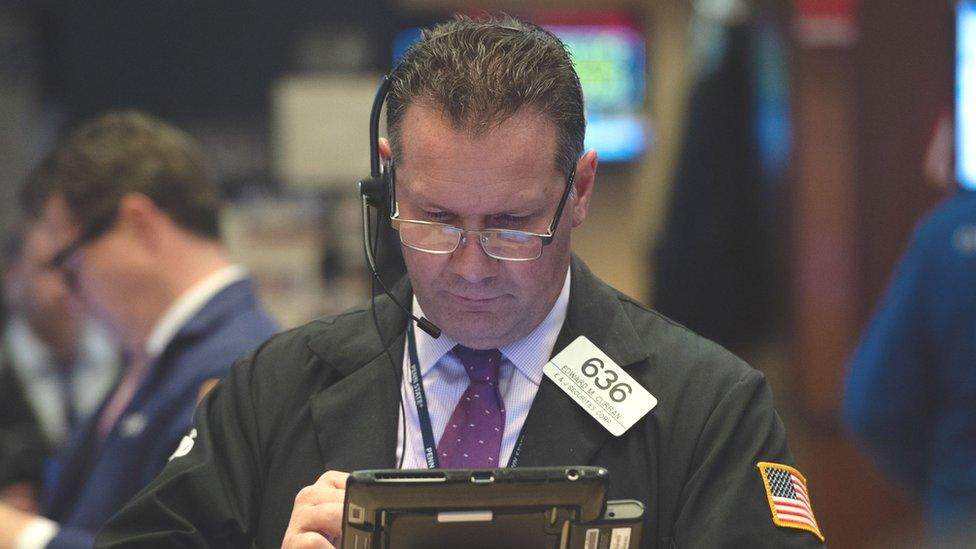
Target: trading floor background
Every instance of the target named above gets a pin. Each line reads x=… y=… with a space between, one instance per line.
x=783 y=152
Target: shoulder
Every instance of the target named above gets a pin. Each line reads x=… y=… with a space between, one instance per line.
x=289 y=348
x=692 y=377
x=660 y=353
x=229 y=324
x=942 y=225
x=278 y=380
x=939 y=261
x=679 y=359
x=318 y=339
x=307 y=358
x=237 y=315
x=672 y=350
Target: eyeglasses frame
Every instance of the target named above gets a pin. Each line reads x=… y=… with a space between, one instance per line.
x=96 y=229
x=546 y=237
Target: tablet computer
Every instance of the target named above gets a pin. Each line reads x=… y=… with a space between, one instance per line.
x=516 y=507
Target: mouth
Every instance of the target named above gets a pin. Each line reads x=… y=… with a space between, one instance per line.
x=474 y=300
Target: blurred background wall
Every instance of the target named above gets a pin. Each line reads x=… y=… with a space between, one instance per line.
x=781 y=172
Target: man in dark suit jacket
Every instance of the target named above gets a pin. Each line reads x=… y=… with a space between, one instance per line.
x=132 y=208
x=486 y=129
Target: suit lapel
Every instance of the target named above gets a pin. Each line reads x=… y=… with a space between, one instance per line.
x=557 y=430
x=355 y=417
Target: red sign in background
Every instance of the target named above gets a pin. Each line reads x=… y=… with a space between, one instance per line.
x=826 y=23
x=845 y=10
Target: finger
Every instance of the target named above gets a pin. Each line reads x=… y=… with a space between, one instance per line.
x=336 y=479
x=325 y=518
x=306 y=540
x=319 y=493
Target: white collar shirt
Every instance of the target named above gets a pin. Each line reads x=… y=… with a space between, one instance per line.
x=445 y=380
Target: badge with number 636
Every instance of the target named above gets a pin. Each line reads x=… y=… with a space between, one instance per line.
x=599 y=385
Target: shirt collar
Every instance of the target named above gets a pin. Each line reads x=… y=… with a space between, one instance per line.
x=528 y=354
x=27 y=352
x=188 y=304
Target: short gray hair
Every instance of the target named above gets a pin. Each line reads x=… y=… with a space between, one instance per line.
x=482 y=72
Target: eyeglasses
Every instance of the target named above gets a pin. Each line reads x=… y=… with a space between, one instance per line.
x=504 y=244
x=60 y=261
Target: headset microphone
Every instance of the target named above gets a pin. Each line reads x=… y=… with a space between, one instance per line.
x=422 y=322
x=378 y=191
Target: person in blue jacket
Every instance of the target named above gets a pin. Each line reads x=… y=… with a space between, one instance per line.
x=911 y=389
x=131 y=208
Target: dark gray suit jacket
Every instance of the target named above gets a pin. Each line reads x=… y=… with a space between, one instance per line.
x=324 y=396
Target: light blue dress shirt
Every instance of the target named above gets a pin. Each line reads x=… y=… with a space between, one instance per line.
x=445 y=381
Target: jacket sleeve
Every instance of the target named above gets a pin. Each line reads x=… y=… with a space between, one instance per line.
x=72 y=538
x=724 y=502
x=202 y=498
x=887 y=403
x=22 y=444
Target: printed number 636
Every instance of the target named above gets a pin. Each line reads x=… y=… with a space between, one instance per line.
x=608 y=382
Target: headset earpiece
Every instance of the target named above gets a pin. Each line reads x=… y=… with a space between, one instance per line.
x=373 y=189
x=379 y=190
x=378 y=187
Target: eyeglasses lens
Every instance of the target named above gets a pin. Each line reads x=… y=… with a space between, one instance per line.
x=436 y=238
x=429 y=238
x=512 y=245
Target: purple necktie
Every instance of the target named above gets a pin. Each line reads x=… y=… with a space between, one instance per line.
x=473 y=436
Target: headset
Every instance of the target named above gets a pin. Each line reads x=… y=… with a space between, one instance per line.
x=378 y=190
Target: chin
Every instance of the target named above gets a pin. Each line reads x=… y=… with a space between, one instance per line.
x=484 y=333
x=475 y=331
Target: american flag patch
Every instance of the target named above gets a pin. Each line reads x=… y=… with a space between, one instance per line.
x=789 y=501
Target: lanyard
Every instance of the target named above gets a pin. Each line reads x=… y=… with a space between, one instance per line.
x=423 y=414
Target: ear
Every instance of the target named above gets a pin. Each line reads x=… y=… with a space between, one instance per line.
x=585 y=178
x=141 y=219
x=386 y=152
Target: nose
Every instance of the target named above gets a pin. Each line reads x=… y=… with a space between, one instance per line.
x=470 y=262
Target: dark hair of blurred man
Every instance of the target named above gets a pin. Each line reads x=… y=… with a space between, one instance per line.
x=131 y=207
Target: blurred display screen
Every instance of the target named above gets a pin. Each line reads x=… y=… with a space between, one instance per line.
x=966 y=94
x=610 y=61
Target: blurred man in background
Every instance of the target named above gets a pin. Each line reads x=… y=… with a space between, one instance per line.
x=131 y=208
x=65 y=362
x=55 y=366
x=911 y=388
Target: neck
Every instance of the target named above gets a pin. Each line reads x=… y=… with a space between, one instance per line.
x=189 y=265
x=179 y=269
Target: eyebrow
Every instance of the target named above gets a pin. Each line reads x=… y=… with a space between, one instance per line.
x=424 y=203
